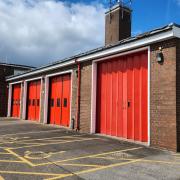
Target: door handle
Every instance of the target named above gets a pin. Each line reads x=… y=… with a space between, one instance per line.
x=129 y=103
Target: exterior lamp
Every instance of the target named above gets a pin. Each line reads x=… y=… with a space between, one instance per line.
x=160 y=56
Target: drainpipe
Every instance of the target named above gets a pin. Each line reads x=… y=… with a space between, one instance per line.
x=78 y=94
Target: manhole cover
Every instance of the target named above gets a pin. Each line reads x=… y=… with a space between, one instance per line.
x=36 y=155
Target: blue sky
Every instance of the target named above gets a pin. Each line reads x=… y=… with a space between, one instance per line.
x=148 y=14
x=37 y=32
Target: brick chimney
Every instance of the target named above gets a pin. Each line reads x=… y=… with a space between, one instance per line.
x=118 y=24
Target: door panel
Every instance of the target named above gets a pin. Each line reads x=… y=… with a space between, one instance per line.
x=130 y=125
x=33 y=100
x=38 y=94
x=59 y=100
x=66 y=101
x=122 y=92
x=51 y=100
x=16 y=98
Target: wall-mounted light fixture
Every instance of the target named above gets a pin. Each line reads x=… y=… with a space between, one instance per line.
x=160 y=56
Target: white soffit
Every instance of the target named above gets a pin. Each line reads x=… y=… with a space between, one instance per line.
x=175 y=32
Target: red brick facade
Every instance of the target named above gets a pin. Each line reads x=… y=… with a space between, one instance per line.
x=164 y=95
x=5 y=71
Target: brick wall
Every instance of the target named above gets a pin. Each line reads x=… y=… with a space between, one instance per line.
x=116 y=27
x=178 y=93
x=85 y=100
x=163 y=97
x=21 y=100
x=42 y=96
x=4 y=71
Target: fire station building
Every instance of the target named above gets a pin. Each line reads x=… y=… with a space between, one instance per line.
x=128 y=89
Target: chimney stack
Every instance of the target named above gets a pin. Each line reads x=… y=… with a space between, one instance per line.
x=118 y=24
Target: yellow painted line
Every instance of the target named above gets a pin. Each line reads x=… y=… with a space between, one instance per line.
x=45 y=144
x=94 y=169
x=73 y=136
x=31 y=173
x=110 y=158
x=163 y=162
x=83 y=165
x=4 y=153
x=28 y=143
x=36 y=132
x=1 y=178
x=60 y=152
x=21 y=158
x=88 y=156
x=9 y=161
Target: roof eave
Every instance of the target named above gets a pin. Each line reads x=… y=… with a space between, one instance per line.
x=146 y=41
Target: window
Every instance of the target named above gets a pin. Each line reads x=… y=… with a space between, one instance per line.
x=58 y=102
x=33 y=102
x=37 y=102
x=65 y=102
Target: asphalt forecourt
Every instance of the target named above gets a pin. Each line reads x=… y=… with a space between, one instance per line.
x=33 y=151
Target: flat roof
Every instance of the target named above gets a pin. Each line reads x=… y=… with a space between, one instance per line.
x=170 y=31
x=16 y=65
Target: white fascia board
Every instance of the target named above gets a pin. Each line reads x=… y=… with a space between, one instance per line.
x=176 y=31
x=129 y=46
x=119 y=48
x=42 y=70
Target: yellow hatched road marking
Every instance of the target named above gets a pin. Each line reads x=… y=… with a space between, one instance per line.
x=4 y=153
x=110 y=158
x=45 y=144
x=21 y=158
x=31 y=173
x=88 y=156
x=27 y=140
x=83 y=165
x=36 y=132
x=164 y=162
x=9 y=161
x=60 y=152
x=94 y=169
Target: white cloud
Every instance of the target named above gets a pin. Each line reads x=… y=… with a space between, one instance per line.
x=36 y=32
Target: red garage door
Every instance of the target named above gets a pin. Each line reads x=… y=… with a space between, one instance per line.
x=33 y=102
x=59 y=100
x=16 y=97
x=122 y=97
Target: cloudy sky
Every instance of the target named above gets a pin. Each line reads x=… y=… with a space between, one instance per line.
x=36 y=32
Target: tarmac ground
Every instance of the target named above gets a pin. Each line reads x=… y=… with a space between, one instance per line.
x=30 y=151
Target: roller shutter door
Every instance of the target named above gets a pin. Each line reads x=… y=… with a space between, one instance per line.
x=122 y=97
x=16 y=99
x=59 y=100
x=33 y=101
